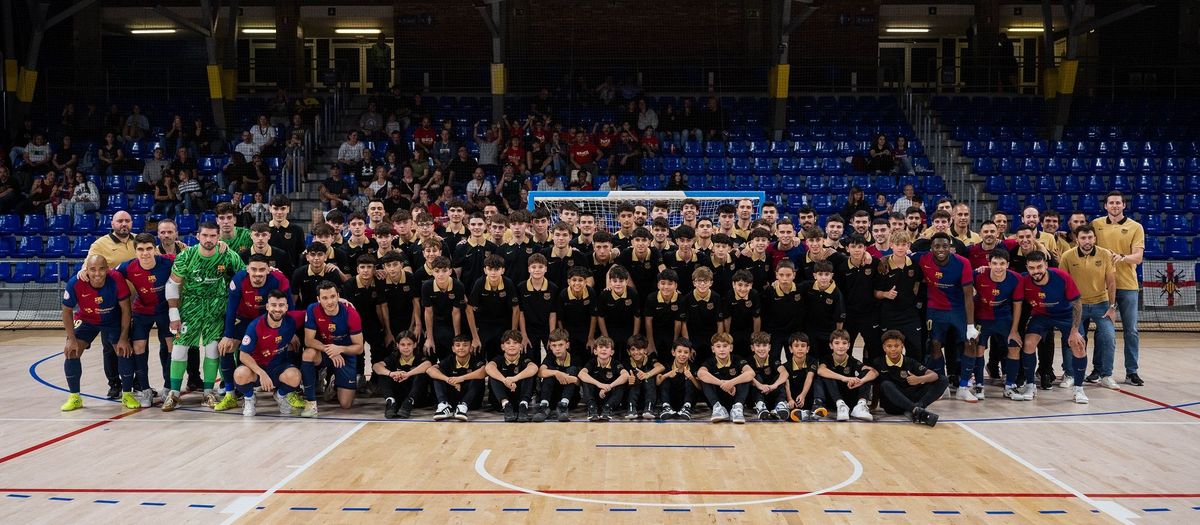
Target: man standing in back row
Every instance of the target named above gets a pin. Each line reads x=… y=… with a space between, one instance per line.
x=1126 y=239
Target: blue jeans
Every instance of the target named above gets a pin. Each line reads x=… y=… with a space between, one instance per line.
x=1127 y=306
x=1106 y=338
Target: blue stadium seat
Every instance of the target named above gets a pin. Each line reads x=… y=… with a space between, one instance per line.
x=1062 y=203
x=739 y=166
x=714 y=148
x=30 y=246
x=1146 y=184
x=1169 y=203
x=651 y=182
x=789 y=167
x=1037 y=201
x=56 y=246
x=187 y=224
x=815 y=184
x=760 y=148
x=736 y=148
x=116 y=202
x=139 y=222
x=983 y=167
x=58 y=225
x=672 y=164
x=1022 y=185
x=824 y=148
x=1146 y=165
x=693 y=148
x=1008 y=203
x=1010 y=166
x=693 y=166
x=1154 y=250
x=651 y=166
x=10 y=224
x=781 y=148
x=810 y=166
x=114 y=184
x=768 y=183
x=1170 y=184
x=1125 y=166
x=1054 y=166
x=1120 y=183
x=718 y=182
x=1191 y=203
x=1191 y=183
x=763 y=165
x=1071 y=184
x=8 y=246
x=6 y=270
x=885 y=184
x=54 y=273
x=832 y=166
x=744 y=182
x=823 y=204
x=1143 y=204
x=80 y=246
x=83 y=224
x=803 y=148
x=34 y=224
x=1178 y=224
x=1031 y=166
x=1039 y=148
x=792 y=185
x=627 y=180
x=210 y=165
x=275 y=164
x=839 y=184
x=718 y=166
x=1077 y=166
x=1045 y=184
x=864 y=183
x=1172 y=166
x=142 y=202
x=24 y=272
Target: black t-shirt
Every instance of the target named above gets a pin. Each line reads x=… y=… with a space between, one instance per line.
x=798 y=373
x=766 y=373
x=304 y=284
x=346 y=256
x=619 y=313
x=511 y=369
x=741 y=312
x=393 y=363
x=443 y=301
x=685 y=268
x=450 y=366
x=761 y=269
x=723 y=276
x=600 y=269
x=557 y=266
x=604 y=374
x=365 y=299
x=642 y=273
x=469 y=258
x=399 y=298
x=858 y=290
x=493 y=307
x=575 y=314
x=782 y=312
x=551 y=363
x=536 y=306
x=516 y=260
x=725 y=371
x=899 y=373
x=290 y=239
x=905 y=279
x=823 y=309
x=850 y=368
x=703 y=316
x=278 y=258
x=804 y=272
x=663 y=315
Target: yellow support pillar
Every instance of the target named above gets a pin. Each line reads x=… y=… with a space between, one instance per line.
x=777 y=85
x=10 y=75
x=1066 y=76
x=229 y=83
x=28 y=80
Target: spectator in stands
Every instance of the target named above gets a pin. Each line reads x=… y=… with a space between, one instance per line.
x=204 y=142
x=10 y=191
x=264 y=135
x=379 y=184
x=62 y=194
x=294 y=155
x=881 y=208
x=108 y=153
x=367 y=167
x=395 y=201
x=67 y=122
x=370 y=122
x=258 y=178
x=427 y=204
x=361 y=196
x=460 y=168
x=183 y=160
x=393 y=124
x=676 y=182
x=479 y=186
x=37 y=161
x=542 y=105
x=420 y=165
x=424 y=136
x=65 y=156
x=20 y=138
x=397 y=146
x=584 y=155
x=350 y=153
x=407 y=182
x=581 y=180
x=550 y=183
x=307 y=105
x=44 y=189
x=85 y=198
x=392 y=166
x=152 y=171
x=880 y=158
x=651 y=147
x=114 y=121
x=124 y=163
x=647 y=117
x=489 y=146
x=904 y=164
x=537 y=158
x=436 y=182
x=510 y=186
x=190 y=193
x=258 y=209
x=137 y=126
x=335 y=193
x=247 y=147
x=177 y=136
x=611 y=184
x=166 y=197
x=605 y=139
x=557 y=151
x=856 y=203
x=231 y=176
x=444 y=149
x=627 y=154
x=908 y=200
x=297 y=125
x=712 y=120
x=606 y=91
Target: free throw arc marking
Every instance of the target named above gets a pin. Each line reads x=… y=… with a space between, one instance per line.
x=481 y=469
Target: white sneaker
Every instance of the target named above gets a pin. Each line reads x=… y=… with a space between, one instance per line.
x=1013 y=392
x=1068 y=381
x=1109 y=382
x=249 y=410
x=719 y=414
x=285 y=408
x=442 y=412
x=861 y=411
x=1029 y=392
x=460 y=413
x=843 y=411
x=736 y=415
x=979 y=392
x=964 y=394
x=1080 y=397
x=145 y=398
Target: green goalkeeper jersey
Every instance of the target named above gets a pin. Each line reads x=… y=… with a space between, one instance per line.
x=240 y=242
x=204 y=288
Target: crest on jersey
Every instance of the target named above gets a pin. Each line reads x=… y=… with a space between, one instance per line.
x=1041 y=295
x=66 y=295
x=904 y=374
x=937 y=275
x=330 y=327
x=995 y=292
x=152 y=278
x=232 y=286
x=710 y=306
x=628 y=302
x=828 y=301
x=246 y=340
x=99 y=299
x=1098 y=263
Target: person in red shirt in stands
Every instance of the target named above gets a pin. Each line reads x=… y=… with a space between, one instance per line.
x=605 y=139
x=584 y=155
x=515 y=152
x=425 y=135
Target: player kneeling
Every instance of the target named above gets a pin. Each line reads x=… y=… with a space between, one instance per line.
x=265 y=359
x=906 y=386
x=332 y=337
x=401 y=377
x=844 y=379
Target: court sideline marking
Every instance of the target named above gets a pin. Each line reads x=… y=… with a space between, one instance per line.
x=481 y=469
x=66 y=436
x=1111 y=508
x=245 y=504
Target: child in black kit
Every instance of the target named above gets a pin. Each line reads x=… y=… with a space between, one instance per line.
x=511 y=376
x=726 y=380
x=642 y=385
x=402 y=379
x=678 y=385
x=560 y=378
x=457 y=380
x=843 y=379
x=604 y=381
x=767 y=390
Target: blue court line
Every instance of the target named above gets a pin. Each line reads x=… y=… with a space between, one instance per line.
x=636 y=445
x=515 y=510
x=787 y=511
x=999 y=512
x=677 y=510
x=1052 y=512
x=838 y=511
x=893 y=512
x=356 y=509
x=409 y=509
x=568 y=510
x=153 y=504
x=19 y=496
x=462 y=509
x=947 y=512
x=259 y=508
x=107 y=501
x=233 y=413
x=201 y=506
x=303 y=508
x=622 y=510
x=731 y=510
x=1158 y=509
x=59 y=498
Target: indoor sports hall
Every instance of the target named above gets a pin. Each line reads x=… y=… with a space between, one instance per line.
x=624 y=261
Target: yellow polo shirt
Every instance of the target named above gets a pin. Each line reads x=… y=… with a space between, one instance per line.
x=1089 y=272
x=113 y=250
x=1122 y=237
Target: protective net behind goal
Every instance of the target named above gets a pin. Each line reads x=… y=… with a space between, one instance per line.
x=604 y=204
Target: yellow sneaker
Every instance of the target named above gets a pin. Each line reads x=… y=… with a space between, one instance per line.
x=228 y=402
x=129 y=401
x=295 y=399
x=74 y=402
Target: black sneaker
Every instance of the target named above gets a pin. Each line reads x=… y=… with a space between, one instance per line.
x=114 y=392
x=1047 y=381
x=953 y=380
x=523 y=415
x=606 y=413
x=543 y=411
x=1092 y=377
x=405 y=411
x=593 y=413
x=510 y=414
x=993 y=370
x=1134 y=380
x=631 y=414
x=649 y=412
x=684 y=413
x=928 y=418
x=564 y=412
x=390 y=409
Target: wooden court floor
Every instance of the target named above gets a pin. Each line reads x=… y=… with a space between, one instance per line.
x=1130 y=457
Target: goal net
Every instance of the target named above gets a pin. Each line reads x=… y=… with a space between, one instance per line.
x=604 y=204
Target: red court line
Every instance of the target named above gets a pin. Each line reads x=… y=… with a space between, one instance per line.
x=68 y=435
x=485 y=492
x=1160 y=403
